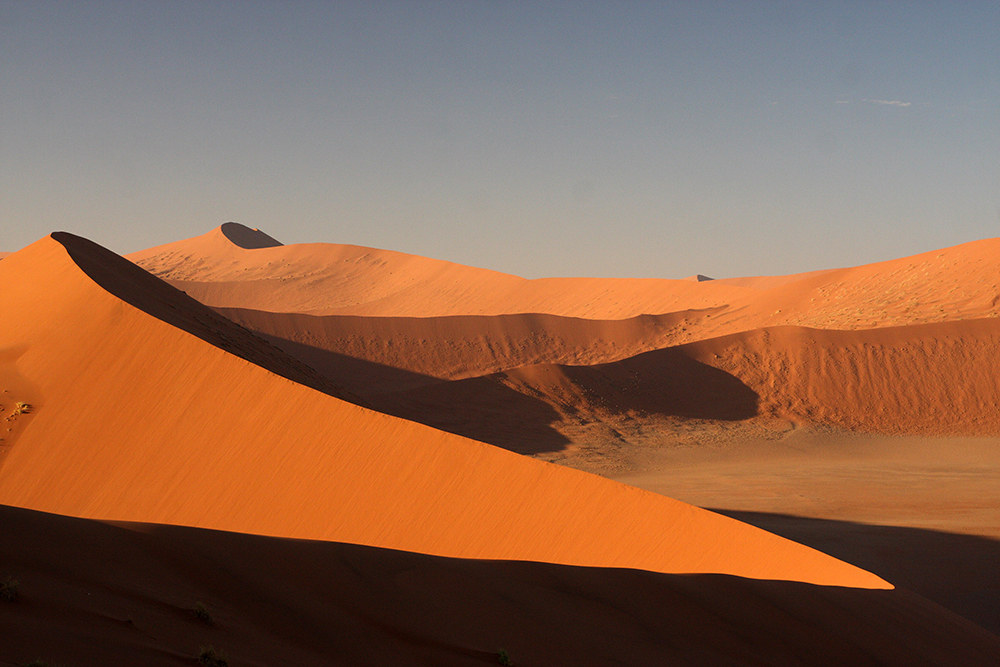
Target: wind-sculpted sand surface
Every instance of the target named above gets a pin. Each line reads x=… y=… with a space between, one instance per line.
x=140 y=420
x=363 y=399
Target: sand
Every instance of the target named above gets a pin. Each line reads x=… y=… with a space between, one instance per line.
x=353 y=396
x=91 y=593
x=330 y=279
x=919 y=511
x=137 y=419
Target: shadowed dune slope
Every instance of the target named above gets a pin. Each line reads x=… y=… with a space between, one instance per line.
x=955 y=570
x=932 y=379
x=126 y=594
x=459 y=347
x=136 y=419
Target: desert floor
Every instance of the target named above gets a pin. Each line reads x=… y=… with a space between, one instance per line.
x=922 y=512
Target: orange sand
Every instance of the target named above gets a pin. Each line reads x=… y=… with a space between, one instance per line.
x=138 y=419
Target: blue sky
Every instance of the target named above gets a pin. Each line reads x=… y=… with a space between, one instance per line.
x=535 y=138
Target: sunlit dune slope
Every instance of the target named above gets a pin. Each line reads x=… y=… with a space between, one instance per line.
x=957 y=283
x=930 y=379
x=139 y=419
x=327 y=279
x=127 y=593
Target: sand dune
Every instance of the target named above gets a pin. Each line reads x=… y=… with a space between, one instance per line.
x=139 y=403
x=458 y=347
x=930 y=379
x=141 y=419
x=328 y=279
x=127 y=593
x=933 y=379
x=331 y=279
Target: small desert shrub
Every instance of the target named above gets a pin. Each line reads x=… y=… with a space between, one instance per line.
x=202 y=614
x=209 y=657
x=503 y=658
x=21 y=409
x=8 y=589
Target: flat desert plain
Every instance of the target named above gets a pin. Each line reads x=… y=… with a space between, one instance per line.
x=226 y=450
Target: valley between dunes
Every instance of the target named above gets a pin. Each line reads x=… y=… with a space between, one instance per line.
x=356 y=456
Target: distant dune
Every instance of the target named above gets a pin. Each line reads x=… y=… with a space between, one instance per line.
x=459 y=346
x=924 y=380
x=136 y=419
x=956 y=283
x=331 y=279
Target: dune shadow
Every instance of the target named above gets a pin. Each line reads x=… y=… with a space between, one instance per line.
x=155 y=297
x=359 y=376
x=247 y=238
x=480 y=408
x=667 y=382
x=354 y=604
x=960 y=572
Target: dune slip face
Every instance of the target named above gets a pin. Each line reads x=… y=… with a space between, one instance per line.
x=139 y=419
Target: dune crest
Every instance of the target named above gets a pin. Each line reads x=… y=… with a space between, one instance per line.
x=139 y=420
x=335 y=279
x=330 y=279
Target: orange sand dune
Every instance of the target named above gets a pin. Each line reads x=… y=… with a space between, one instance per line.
x=127 y=594
x=137 y=418
x=458 y=346
x=324 y=279
x=931 y=379
x=767 y=282
x=957 y=283
x=328 y=279
x=927 y=379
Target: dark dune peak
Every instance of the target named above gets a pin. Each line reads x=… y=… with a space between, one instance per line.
x=247 y=238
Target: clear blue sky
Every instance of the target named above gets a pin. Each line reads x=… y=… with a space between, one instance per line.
x=534 y=138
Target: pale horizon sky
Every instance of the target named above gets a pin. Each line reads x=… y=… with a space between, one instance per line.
x=618 y=139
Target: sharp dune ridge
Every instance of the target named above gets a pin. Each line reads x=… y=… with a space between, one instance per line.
x=139 y=420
